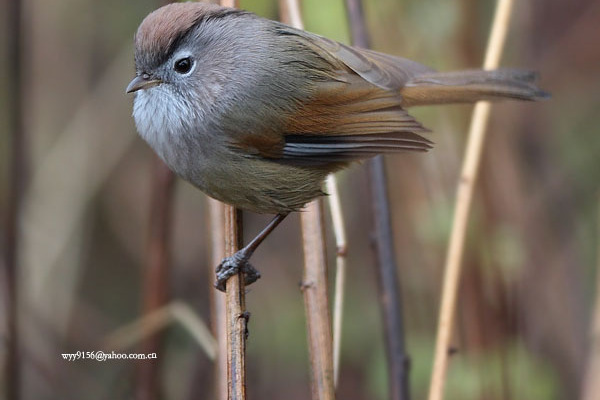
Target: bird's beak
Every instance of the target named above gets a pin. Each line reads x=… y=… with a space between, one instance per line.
x=142 y=82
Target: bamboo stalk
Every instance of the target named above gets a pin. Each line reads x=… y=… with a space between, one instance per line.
x=12 y=365
x=314 y=285
x=464 y=199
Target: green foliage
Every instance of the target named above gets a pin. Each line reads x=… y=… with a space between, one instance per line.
x=327 y=18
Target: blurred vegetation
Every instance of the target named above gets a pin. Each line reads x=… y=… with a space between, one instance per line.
x=528 y=285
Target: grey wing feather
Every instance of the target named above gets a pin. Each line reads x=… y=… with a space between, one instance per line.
x=383 y=70
x=317 y=150
x=360 y=113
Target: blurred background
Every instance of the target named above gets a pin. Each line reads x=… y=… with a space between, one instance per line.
x=528 y=287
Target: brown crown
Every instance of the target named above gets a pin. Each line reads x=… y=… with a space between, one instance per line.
x=161 y=31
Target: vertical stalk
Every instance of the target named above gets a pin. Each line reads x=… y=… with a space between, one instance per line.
x=237 y=317
x=389 y=290
x=15 y=195
x=464 y=198
x=339 y=230
x=316 y=305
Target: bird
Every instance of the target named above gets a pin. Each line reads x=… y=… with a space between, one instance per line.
x=256 y=113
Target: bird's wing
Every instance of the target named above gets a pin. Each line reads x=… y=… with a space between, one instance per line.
x=348 y=121
x=345 y=120
x=382 y=70
x=353 y=115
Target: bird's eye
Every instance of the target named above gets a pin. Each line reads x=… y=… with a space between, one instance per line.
x=183 y=65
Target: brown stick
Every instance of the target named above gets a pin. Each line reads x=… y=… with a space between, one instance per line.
x=237 y=317
x=316 y=305
x=155 y=291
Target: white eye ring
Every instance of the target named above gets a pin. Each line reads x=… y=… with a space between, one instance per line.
x=184 y=65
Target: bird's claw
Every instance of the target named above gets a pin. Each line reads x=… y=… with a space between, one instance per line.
x=233 y=265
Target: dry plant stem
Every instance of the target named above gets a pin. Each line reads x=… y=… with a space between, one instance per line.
x=316 y=305
x=389 y=290
x=237 y=317
x=358 y=27
x=156 y=279
x=591 y=383
x=337 y=217
x=464 y=199
x=219 y=322
x=12 y=366
x=290 y=13
x=314 y=286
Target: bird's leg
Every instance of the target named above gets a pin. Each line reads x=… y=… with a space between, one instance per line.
x=239 y=261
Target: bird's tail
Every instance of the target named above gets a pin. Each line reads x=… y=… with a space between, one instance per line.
x=470 y=86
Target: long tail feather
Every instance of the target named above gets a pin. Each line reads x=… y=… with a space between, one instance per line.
x=470 y=86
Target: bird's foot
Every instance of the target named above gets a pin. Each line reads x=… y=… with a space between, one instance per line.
x=233 y=265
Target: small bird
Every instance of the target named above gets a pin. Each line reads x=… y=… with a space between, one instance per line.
x=256 y=113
